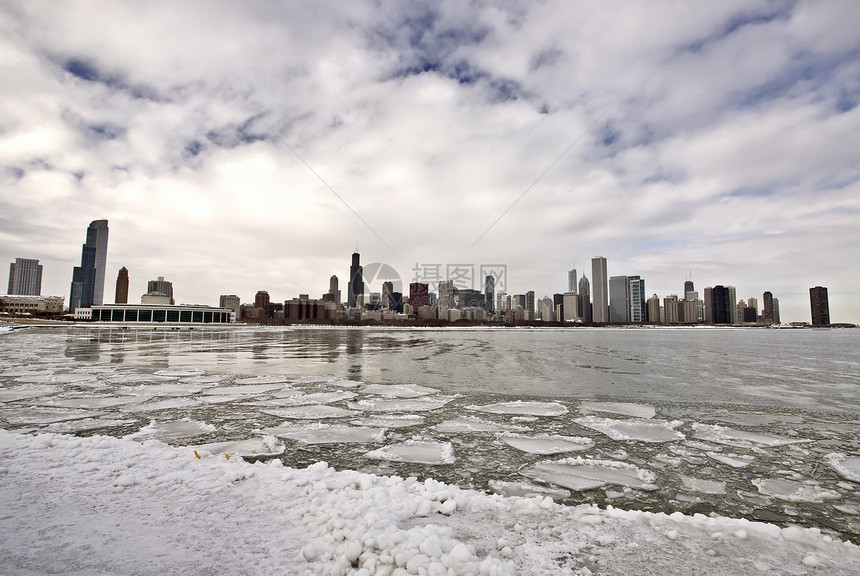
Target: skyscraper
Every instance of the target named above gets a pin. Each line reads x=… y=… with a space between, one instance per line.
x=638 y=309
x=88 y=279
x=356 y=281
x=387 y=298
x=571 y=281
x=619 y=299
x=489 y=294
x=722 y=305
x=25 y=277
x=334 y=291
x=600 y=308
x=121 y=296
x=419 y=295
x=585 y=308
x=767 y=312
x=688 y=287
x=819 y=303
x=161 y=286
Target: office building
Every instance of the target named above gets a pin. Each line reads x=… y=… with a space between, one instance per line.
x=333 y=291
x=25 y=277
x=732 y=296
x=419 y=295
x=88 y=279
x=638 y=309
x=619 y=299
x=529 y=306
x=446 y=298
x=723 y=305
x=585 y=311
x=355 y=287
x=570 y=307
x=160 y=286
x=121 y=296
x=232 y=302
x=261 y=299
x=688 y=287
x=600 y=300
x=489 y=294
x=776 y=311
x=27 y=305
x=767 y=310
x=386 y=298
x=571 y=281
x=653 y=304
x=820 y=306
x=708 y=312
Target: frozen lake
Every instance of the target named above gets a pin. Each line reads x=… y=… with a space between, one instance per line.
x=760 y=424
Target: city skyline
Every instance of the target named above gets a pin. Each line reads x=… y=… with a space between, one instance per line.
x=717 y=139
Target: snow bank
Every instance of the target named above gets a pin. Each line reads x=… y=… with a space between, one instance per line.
x=111 y=505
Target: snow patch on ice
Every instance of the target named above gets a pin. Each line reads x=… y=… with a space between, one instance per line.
x=521 y=407
x=580 y=474
x=398 y=390
x=794 y=491
x=622 y=408
x=547 y=444
x=639 y=430
x=467 y=424
x=327 y=434
x=416 y=451
x=389 y=421
x=846 y=466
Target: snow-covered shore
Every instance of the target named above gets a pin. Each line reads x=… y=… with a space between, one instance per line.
x=104 y=505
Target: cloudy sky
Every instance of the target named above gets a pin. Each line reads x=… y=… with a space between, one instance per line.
x=237 y=147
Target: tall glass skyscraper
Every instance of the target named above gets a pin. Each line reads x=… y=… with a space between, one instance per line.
x=88 y=279
x=600 y=286
x=356 y=281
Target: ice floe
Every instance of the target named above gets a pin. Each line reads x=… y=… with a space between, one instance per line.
x=38 y=415
x=26 y=392
x=733 y=460
x=793 y=491
x=621 y=408
x=581 y=474
x=398 y=390
x=547 y=444
x=638 y=430
x=319 y=433
x=171 y=431
x=846 y=466
x=263 y=380
x=315 y=398
x=741 y=438
x=702 y=485
x=169 y=404
x=263 y=446
x=527 y=489
x=389 y=421
x=466 y=424
x=180 y=373
x=74 y=426
x=421 y=404
x=246 y=390
x=416 y=452
x=312 y=412
x=167 y=389
x=92 y=402
x=520 y=407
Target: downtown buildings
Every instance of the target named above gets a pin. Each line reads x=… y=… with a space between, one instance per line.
x=88 y=279
x=25 y=277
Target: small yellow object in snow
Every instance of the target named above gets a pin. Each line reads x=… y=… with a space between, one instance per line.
x=196 y=454
x=227 y=456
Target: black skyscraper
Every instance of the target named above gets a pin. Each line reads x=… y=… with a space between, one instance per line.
x=820 y=305
x=721 y=305
x=356 y=281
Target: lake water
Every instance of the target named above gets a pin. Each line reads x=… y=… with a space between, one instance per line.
x=755 y=423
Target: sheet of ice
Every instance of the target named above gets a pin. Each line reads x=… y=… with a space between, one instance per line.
x=314 y=412
x=326 y=434
x=521 y=407
x=733 y=460
x=300 y=399
x=63 y=497
x=52 y=378
x=416 y=452
x=87 y=424
x=702 y=485
x=580 y=474
x=794 y=491
x=92 y=402
x=172 y=431
x=38 y=415
x=26 y=392
x=263 y=446
x=546 y=444
x=527 y=490
x=180 y=373
x=346 y=383
x=169 y=404
x=389 y=421
x=245 y=389
x=622 y=408
x=422 y=404
x=638 y=430
x=166 y=389
x=263 y=380
x=205 y=379
x=138 y=378
x=846 y=466
x=466 y=424
x=741 y=438
x=398 y=390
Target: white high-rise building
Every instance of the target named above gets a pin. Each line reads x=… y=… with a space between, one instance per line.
x=25 y=277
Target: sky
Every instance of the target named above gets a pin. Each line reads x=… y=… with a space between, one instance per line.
x=237 y=147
